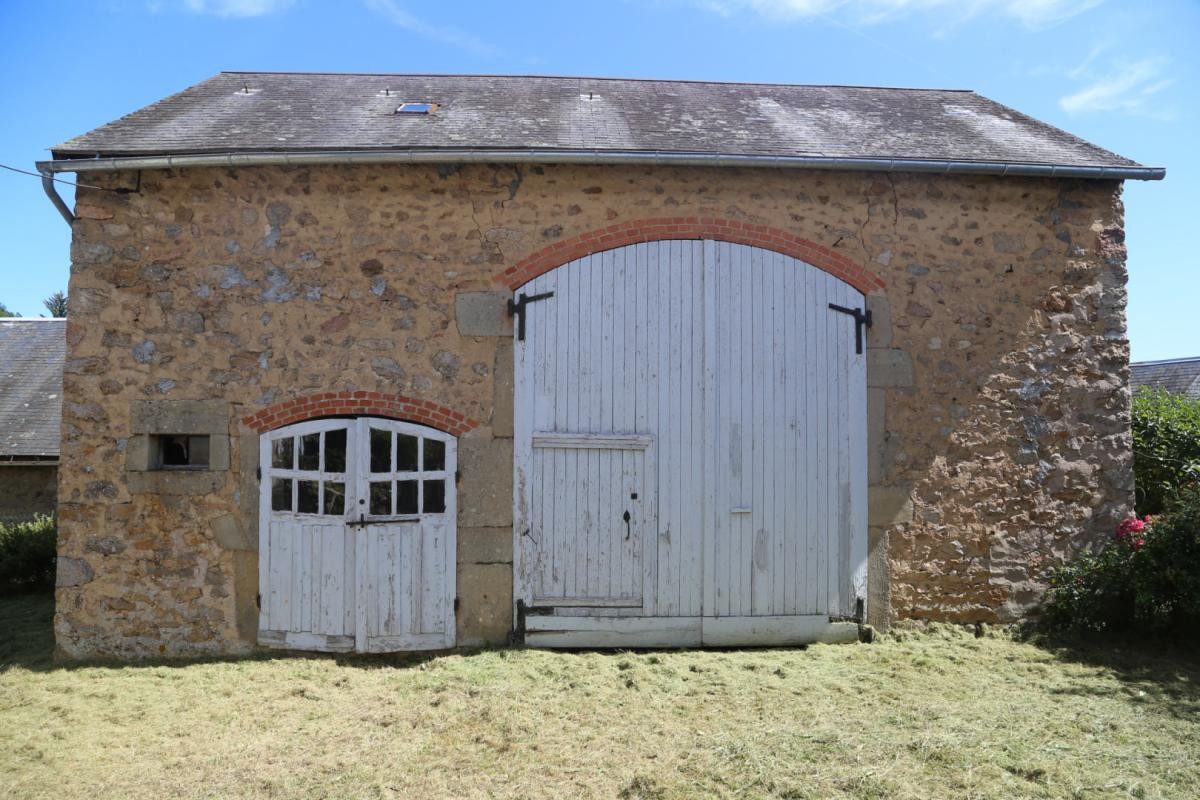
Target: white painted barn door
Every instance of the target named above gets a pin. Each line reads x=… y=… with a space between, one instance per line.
x=357 y=536
x=788 y=538
x=406 y=537
x=747 y=390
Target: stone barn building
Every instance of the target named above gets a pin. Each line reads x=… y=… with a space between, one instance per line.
x=389 y=362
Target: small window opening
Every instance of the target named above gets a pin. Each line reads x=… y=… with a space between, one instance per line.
x=417 y=108
x=180 y=452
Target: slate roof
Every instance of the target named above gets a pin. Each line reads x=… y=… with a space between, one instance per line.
x=1178 y=375
x=257 y=112
x=32 y=352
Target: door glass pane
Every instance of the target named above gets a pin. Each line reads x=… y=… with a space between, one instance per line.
x=335 y=451
x=306 y=497
x=381 y=451
x=281 y=494
x=406 y=453
x=435 y=497
x=335 y=498
x=406 y=497
x=381 y=498
x=435 y=454
x=310 y=451
x=281 y=453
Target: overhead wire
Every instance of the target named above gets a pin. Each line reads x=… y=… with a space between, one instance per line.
x=56 y=180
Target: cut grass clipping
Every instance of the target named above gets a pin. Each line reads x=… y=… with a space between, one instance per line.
x=936 y=714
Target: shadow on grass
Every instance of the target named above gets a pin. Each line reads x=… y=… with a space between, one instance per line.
x=1162 y=672
x=27 y=641
x=27 y=631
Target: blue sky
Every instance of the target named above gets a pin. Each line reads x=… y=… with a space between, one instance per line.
x=1122 y=75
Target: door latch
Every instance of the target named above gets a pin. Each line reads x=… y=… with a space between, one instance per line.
x=627 y=528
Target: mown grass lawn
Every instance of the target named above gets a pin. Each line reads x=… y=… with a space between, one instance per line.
x=938 y=714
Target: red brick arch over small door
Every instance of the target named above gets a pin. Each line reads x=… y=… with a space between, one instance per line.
x=714 y=228
x=360 y=403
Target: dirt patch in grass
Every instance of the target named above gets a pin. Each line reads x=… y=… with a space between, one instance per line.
x=929 y=715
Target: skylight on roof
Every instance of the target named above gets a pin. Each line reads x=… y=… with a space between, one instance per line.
x=416 y=108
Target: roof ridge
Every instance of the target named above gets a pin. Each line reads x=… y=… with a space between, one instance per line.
x=592 y=78
x=1182 y=360
x=32 y=319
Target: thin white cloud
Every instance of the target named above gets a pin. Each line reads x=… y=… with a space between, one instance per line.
x=236 y=8
x=1035 y=14
x=1119 y=86
x=390 y=11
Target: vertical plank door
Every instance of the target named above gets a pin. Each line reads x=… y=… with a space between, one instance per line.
x=307 y=562
x=405 y=537
x=789 y=481
x=729 y=363
x=357 y=536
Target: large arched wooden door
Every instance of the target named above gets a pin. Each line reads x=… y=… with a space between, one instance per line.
x=690 y=450
x=357 y=536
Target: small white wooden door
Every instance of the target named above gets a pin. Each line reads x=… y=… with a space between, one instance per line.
x=589 y=524
x=357 y=536
x=406 y=555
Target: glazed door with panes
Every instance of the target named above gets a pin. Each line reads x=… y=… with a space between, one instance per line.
x=357 y=536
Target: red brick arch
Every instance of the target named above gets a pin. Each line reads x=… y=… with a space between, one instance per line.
x=376 y=404
x=657 y=229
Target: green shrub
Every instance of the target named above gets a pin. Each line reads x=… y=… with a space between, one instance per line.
x=1146 y=580
x=1166 y=448
x=27 y=553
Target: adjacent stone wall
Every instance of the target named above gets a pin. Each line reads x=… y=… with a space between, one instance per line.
x=27 y=489
x=998 y=414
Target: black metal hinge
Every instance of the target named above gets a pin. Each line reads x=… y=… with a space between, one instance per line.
x=516 y=308
x=516 y=636
x=258 y=601
x=861 y=317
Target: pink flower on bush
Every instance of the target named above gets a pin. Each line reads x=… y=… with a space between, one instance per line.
x=1129 y=529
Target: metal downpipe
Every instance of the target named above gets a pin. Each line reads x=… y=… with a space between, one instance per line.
x=52 y=192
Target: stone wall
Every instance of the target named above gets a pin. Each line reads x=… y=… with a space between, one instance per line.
x=27 y=489
x=999 y=408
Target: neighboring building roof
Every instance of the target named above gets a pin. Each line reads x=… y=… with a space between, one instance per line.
x=530 y=117
x=32 y=352
x=1177 y=375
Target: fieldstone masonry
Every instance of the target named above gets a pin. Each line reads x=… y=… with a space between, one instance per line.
x=997 y=365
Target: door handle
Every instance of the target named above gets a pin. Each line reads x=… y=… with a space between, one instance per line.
x=626 y=518
x=362 y=521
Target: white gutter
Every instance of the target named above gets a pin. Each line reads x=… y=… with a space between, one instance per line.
x=555 y=156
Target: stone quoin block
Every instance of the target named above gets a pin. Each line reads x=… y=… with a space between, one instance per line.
x=486 y=482
x=502 y=393
x=483 y=314
x=485 y=545
x=888 y=368
x=889 y=505
x=485 y=604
